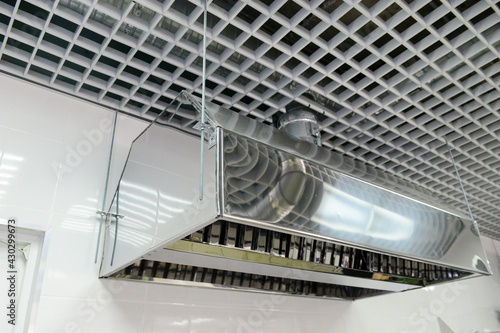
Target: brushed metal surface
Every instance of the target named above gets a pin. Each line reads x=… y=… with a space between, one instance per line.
x=250 y=128
x=280 y=190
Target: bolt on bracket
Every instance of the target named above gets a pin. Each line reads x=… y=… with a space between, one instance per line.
x=210 y=133
x=108 y=214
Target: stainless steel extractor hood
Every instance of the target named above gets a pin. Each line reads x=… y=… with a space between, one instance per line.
x=278 y=214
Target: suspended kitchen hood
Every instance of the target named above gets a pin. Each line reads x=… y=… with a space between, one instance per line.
x=278 y=214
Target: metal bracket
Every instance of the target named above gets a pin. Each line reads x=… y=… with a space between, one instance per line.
x=108 y=214
x=210 y=132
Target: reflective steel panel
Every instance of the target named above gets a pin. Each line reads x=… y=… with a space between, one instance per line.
x=264 y=185
x=158 y=195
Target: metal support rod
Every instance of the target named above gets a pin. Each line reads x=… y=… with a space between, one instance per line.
x=459 y=179
x=106 y=187
x=203 y=94
x=116 y=224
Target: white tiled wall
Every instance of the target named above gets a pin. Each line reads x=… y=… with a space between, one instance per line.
x=39 y=130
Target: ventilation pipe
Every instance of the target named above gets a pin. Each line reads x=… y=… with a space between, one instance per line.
x=300 y=121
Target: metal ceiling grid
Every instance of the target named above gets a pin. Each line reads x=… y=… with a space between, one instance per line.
x=389 y=78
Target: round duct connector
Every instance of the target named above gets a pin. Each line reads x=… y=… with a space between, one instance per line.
x=300 y=121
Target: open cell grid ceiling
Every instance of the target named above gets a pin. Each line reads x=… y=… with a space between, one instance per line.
x=389 y=79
